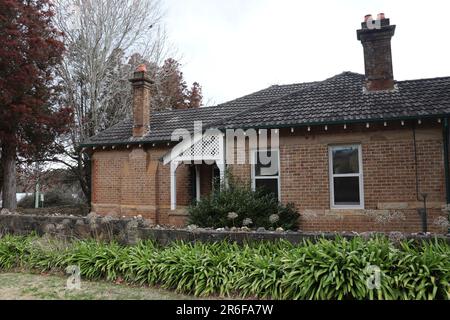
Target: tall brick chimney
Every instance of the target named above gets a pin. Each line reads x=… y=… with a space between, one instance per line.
x=375 y=36
x=141 y=101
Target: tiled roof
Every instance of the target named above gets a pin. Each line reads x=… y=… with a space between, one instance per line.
x=337 y=99
x=163 y=123
x=343 y=99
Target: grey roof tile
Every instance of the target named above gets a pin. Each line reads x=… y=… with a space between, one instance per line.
x=342 y=98
x=338 y=99
x=163 y=123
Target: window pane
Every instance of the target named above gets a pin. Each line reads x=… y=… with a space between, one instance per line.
x=266 y=163
x=346 y=191
x=269 y=185
x=345 y=159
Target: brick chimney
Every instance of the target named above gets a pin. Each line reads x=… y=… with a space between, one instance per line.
x=375 y=36
x=141 y=101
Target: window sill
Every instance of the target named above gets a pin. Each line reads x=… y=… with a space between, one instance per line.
x=344 y=212
x=346 y=207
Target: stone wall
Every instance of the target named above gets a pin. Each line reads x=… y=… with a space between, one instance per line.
x=131 y=230
x=92 y=226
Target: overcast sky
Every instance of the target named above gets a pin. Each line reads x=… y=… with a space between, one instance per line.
x=235 y=47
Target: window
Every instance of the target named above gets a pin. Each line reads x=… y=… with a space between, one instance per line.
x=266 y=171
x=346 y=179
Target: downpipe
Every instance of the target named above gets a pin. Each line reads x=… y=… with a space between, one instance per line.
x=423 y=213
x=445 y=139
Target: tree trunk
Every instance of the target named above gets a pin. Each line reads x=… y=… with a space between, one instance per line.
x=9 y=177
x=1 y=175
x=84 y=175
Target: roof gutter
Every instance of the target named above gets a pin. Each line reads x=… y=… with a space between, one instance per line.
x=341 y=122
x=131 y=143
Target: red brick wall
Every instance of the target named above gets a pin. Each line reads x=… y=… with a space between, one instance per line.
x=131 y=182
x=135 y=182
x=389 y=174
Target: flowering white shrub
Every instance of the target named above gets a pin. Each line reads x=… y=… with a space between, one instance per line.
x=273 y=218
x=247 y=221
x=232 y=215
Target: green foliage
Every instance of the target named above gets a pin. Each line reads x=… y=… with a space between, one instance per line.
x=97 y=259
x=326 y=269
x=213 y=210
x=26 y=202
x=12 y=248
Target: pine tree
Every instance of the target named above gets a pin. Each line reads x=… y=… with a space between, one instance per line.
x=195 y=96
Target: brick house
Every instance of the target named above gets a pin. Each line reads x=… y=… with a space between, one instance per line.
x=353 y=152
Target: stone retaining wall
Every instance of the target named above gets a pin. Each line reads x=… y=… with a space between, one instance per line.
x=131 y=230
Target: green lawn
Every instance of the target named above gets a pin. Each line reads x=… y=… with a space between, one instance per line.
x=18 y=286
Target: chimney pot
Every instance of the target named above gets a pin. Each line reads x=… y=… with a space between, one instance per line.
x=141 y=68
x=367 y=17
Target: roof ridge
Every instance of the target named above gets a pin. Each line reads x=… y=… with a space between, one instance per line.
x=316 y=84
x=293 y=84
x=423 y=79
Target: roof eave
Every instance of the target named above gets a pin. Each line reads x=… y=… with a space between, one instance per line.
x=339 y=122
x=277 y=126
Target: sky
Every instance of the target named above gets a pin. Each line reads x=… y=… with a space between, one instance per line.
x=236 y=47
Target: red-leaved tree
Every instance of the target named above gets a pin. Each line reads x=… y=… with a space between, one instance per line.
x=30 y=118
x=172 y=90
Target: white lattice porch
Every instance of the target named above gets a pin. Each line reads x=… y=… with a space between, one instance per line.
x=208 y=149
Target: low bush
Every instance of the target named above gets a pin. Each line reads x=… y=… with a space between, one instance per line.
x=238 y=205
x=52 y=198
x=326 y=269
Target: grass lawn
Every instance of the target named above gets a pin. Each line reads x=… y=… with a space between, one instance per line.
x=18 y=286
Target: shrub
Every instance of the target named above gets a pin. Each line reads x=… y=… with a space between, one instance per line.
x=259 y=207
x=12 y=249
x=26 y=202
x=326 y=269
x=52 y=198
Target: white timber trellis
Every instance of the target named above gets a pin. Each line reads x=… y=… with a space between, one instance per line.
x=209 y=149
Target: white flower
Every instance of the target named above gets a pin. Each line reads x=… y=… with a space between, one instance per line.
x=441 y=222
x=247 y=222
x=232 y=215
x=273 y=218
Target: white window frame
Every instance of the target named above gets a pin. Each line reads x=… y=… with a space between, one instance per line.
x=255 y=177
x=333 y=175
